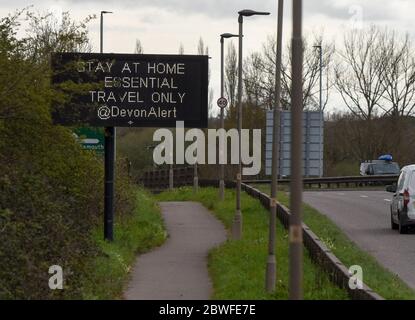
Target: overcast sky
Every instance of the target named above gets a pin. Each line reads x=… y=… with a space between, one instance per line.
x=162 y=25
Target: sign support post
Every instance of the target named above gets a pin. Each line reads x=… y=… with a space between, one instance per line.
x=222 y=123
x=171 y=174
x=109 y=183
x=129 y=90
x=222 y=103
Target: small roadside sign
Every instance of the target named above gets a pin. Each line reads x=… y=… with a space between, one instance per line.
x=91 y=138
x=222 y=102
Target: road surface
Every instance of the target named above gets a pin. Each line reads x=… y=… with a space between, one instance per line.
x=365 y=217
x=178 y=269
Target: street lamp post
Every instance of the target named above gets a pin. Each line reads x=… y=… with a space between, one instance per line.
x=109 y=163
x=296 y=185
x=320 y=49
x=321 y=104
x=237 y=222
x=101 y=43
x=270 y=275
x=222 y=120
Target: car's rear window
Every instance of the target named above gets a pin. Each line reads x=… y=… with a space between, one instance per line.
x=385 y=168
x=401 y=181
x=412 y=181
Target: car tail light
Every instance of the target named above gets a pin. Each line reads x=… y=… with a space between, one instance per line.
x=405 y=198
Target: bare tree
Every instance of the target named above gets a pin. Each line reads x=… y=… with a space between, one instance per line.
x=253 y=79
x=358 y=76
x=398 y=74
x=311 y=72
x=181 y=48
x=202 y=49
x=231 y=73
x=138 y=47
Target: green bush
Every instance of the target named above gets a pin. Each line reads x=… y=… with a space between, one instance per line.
x=51 y=191
x=134 y=234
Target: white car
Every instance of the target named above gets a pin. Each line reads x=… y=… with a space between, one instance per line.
x=403 y=201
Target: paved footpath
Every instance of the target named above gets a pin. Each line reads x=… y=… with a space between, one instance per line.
x=178 y=269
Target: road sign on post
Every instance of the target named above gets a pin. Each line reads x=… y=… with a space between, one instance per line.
x=130 y=90
x=91 y=139
x=222 y=102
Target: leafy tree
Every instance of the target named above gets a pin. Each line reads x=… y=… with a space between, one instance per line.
x=50 y=189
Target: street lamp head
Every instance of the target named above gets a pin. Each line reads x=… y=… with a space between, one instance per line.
x=103 y=12
x=228 y=35
x=248 y=13
x=317 y=46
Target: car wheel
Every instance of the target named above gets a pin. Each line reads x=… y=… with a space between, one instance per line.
x=394 y=225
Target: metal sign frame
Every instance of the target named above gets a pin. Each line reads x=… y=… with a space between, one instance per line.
x=312 y=154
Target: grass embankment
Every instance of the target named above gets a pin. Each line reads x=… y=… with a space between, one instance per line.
x=237 y=268
x=375 y=276
x=134 y=234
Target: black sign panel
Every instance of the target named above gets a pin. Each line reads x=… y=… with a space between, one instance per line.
x=130 y=90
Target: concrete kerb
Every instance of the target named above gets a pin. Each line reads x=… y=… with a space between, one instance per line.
x=319 y=252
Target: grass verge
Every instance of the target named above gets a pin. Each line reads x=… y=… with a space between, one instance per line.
x=237 y=268
x=381 y=280
x=134 y=234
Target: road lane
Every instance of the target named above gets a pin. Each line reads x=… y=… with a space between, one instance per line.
x=365 y=218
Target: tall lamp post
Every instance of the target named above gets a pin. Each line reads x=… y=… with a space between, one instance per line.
x=109 y=162
x=296 y=185
x=237 y=222
x=270 y=274
x=320 y=48
x=222 y=124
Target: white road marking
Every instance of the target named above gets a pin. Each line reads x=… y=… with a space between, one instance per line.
x=388 y=200
x=363 y=196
